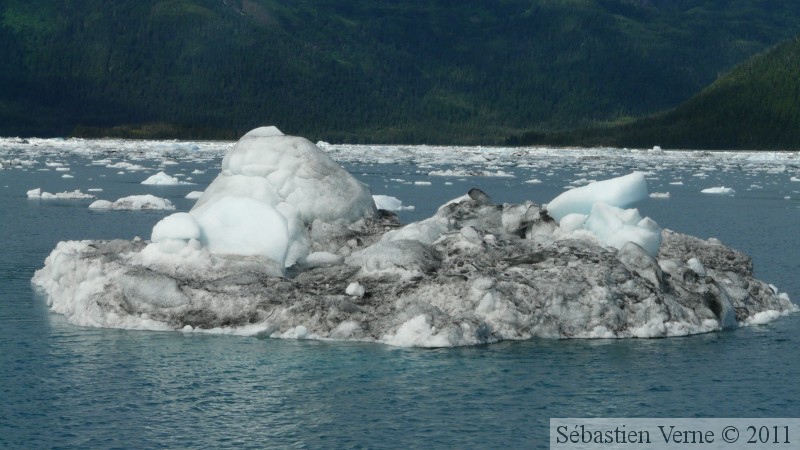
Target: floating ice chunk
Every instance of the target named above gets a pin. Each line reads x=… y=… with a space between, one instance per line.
x=551 y=287
x=74 y=195
x=446 y=297
x=471 y=173
x=677 y=183
x=620 y=192
x=795 y=179
x=162 y=179
x=582 y=182
x=194 y=195
x=533 y=181
x=661 y=195
x=135 y=203
x=102 y=204
x=448 y=173
x=387 y=202
x=126 y=166
x=722 y=190
x=422 y=183
x=390 y=203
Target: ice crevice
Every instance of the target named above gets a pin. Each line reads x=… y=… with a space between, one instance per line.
x=287 y=244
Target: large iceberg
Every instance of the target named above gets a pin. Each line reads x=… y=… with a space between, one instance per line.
x=285 y=243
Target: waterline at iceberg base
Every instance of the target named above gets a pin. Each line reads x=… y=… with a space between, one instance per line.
x=285 y=243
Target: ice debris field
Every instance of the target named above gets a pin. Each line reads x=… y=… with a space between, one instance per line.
x=285 y=243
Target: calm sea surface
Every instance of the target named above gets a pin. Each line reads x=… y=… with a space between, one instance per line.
x=64 y=386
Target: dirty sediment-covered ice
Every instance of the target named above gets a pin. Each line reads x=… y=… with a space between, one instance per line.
x=285 y=243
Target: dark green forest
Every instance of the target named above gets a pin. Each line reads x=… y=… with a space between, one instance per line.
x=755 y=106
x=434 y=71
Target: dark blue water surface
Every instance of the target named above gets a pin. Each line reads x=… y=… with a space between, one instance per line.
x=64 y=386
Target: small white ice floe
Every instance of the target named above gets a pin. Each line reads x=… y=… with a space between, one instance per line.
x=162 y=179
x=194 y=195
x=470 y=173
x=721 y=190
x=126 y=166
x=661 y=195
x=74 y=195
x=390 y=203
x=135 y=203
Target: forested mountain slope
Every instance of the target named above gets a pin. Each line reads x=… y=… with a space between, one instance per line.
x=466 y=71
x=755 y=106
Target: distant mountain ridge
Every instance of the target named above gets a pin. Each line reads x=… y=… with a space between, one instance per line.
x=755 y=106
x=435 y=71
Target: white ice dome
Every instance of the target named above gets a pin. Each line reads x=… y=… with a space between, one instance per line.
x=272 y=189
